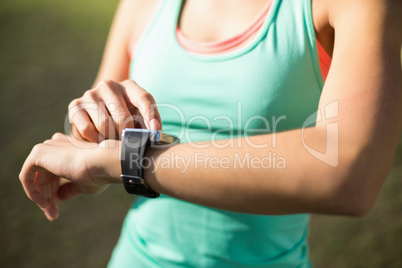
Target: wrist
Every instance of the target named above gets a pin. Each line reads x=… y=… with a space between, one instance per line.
x=104 y=164
x=153 y=170
x=136 y=144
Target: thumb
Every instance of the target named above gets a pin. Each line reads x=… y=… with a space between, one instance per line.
x=70 y=190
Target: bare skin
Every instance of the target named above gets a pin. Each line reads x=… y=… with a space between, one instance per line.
x=365 y=80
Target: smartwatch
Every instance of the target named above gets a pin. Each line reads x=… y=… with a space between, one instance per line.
x=134 y=144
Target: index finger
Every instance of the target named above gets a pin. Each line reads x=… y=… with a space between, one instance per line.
x=116 y=105
x=144 y=102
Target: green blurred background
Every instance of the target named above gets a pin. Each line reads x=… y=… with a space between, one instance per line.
x=49 y=54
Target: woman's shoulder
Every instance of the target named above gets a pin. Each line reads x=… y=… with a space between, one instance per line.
x=330 y=16
x=129 y=20
x=372 y=10
x=139 y=11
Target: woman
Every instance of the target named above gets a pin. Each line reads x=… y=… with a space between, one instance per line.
x=239 y=82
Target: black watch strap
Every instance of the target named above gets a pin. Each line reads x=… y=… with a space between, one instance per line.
x=132 y=153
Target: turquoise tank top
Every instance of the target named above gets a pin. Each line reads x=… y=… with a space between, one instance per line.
x=203 y=97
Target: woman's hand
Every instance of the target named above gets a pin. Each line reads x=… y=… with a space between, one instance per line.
x=104 y=111
x=88 y=167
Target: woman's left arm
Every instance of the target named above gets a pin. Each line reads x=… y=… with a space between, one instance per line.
x=361 y=110
x=361 y=117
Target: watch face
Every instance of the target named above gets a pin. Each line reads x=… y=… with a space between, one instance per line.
x=156 y=137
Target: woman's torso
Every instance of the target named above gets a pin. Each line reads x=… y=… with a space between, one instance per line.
x=274 y=81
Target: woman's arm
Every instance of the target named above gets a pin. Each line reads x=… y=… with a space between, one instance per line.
x=96 y=124
x=361 y=110
x=364 y=93
x=40 y=169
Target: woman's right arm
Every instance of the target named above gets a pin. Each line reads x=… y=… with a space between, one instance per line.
x=130 y=19
x=91 y=116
